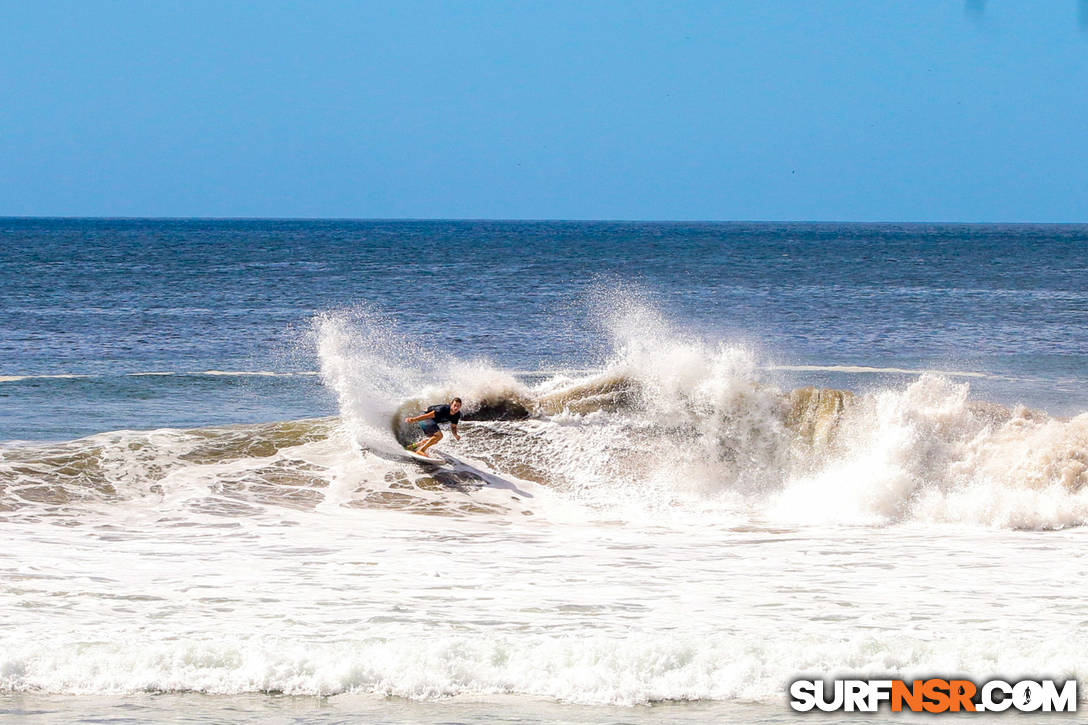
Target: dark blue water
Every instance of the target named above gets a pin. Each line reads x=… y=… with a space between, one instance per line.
x=108 y=298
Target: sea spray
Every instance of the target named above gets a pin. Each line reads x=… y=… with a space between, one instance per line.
x=927 y=452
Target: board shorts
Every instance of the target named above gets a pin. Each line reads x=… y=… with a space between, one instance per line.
x=429 y=427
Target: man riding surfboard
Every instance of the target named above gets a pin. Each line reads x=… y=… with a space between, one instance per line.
x=428 y=422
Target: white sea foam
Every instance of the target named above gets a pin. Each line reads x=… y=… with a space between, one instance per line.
x=576 y=669
x=392 y=604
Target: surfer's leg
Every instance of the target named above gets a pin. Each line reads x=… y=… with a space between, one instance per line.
x=422 y=450
x=430 y=430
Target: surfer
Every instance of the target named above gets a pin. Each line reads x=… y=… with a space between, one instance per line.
x=428 y=423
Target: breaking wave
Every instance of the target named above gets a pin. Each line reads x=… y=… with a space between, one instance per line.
x=669 y=423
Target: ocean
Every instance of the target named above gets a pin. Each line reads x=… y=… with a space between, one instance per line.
x=698 y=461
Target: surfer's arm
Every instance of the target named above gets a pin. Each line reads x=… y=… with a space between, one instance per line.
x=428 y=414
x=453 y=429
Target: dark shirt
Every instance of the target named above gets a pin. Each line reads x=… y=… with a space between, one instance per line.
x=442 y=414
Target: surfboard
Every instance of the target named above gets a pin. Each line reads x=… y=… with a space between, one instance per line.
x=434 y=460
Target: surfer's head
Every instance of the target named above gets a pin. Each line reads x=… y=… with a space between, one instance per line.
x=455 y=405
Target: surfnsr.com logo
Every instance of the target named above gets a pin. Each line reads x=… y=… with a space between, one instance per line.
x=934 y=695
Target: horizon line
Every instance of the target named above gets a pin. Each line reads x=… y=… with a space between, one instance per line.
x=556 y=220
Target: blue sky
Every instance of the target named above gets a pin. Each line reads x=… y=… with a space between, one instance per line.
x=866 y=110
